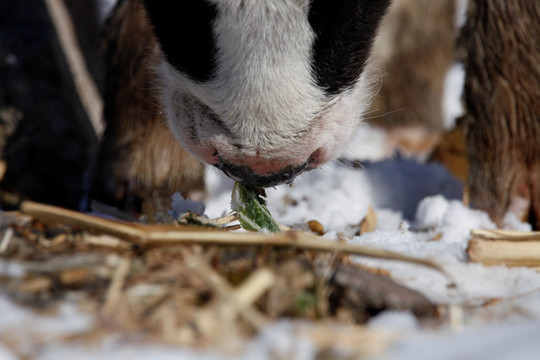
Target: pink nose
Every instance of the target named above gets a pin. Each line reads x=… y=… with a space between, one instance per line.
x=254 y=170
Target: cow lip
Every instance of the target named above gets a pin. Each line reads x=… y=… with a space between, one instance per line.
x=246 y=175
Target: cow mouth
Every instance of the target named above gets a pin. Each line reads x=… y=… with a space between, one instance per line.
x=245 y=175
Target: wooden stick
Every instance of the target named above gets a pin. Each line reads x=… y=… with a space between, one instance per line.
x=84 y=83
x=504 y=247
x=227 y=292
x=254 y=286
x=503 y=252
x=114 y=292
x=160 y=235
x=119 y=229
x=6 y=240
x=497 y=234
x=106 y=241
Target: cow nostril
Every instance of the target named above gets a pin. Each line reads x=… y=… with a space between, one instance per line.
x=214 y=155
x=315 y=159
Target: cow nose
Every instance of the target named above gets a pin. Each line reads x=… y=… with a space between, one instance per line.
x=246 y=175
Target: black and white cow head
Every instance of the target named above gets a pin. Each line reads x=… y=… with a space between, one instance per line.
x=265 y=89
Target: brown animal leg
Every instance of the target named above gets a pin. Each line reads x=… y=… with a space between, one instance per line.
x=502 y=98
x=140 y=164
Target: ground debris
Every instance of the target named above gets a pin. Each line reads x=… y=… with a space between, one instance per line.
x=188 y=293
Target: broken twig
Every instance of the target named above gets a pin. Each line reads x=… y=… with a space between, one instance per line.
x=162 y=235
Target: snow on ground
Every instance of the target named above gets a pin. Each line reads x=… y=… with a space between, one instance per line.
x=436 y=226
x=508 y=326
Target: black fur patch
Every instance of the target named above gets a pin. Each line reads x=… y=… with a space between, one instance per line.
x=345 y=30
x=184 y=30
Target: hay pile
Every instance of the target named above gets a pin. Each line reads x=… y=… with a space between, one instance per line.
x=192 y=285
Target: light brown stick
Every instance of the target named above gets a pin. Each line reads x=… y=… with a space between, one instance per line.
x=503 y=247
x=159 y=235
x=84 y=83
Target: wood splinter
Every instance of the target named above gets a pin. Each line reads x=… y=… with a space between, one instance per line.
x=504 y=247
